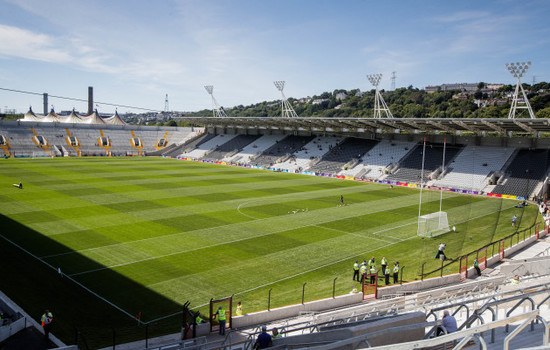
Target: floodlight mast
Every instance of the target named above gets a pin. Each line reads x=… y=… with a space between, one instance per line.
x=217 y=111
x=286 y=109
x=379 y=103
x=518 y=70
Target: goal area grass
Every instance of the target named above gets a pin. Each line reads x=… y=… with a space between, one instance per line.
x=145 y=235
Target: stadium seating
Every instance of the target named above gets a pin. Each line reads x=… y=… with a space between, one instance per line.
x=314 y=149
x=283 y=148
x=254 y=148
x=466 y=168
x=524 y=173
x=205 y=146
x=375 y=161
x=410 y=168
x=20 y=136
x=233 y=146
x=335 y=160
x=469 y=170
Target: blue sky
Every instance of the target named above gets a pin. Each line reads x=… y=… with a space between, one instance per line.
x=135 y=52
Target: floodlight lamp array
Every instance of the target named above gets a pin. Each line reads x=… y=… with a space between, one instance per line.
x=209 y=89
x=518 y=69
x=374 y=79
x=280 y=85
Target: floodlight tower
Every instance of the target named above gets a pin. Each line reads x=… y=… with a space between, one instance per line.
x=286 y=109
x=217 y=111
x=393 y=76
x=518 y=70
x=166 y=105
x=379 y=103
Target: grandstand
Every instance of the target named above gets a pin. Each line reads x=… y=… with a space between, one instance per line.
x=409 y=169
x=512 y=170
x=117 y=138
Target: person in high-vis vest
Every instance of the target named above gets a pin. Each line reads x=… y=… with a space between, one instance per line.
x=384 y=263
x=395 y=272
x=46 y=322
x=387 y=276
x=476 y=266
x=356 y=271
x=363 y=270
x=239 y=309
x=373 y=274
x=221 y=319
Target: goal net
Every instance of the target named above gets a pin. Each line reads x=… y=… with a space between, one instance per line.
x=433 y=224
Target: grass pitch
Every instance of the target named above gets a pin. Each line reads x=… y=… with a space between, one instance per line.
x=148 y=234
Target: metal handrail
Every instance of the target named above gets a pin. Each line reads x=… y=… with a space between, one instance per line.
x=528 y=317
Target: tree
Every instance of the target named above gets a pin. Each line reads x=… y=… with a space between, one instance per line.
x=543 y=113
x=171 y=122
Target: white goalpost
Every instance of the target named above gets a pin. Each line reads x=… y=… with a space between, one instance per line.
x=433 y=224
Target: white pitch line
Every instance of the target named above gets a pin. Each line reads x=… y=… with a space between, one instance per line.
x=70 y=278
x=296 y=275
x=172 y=234
x=206 y=247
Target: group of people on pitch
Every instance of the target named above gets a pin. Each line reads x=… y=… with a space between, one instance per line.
x=368 y=269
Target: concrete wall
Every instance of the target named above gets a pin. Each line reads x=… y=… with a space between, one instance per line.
x=350 y=331
x=12 y=328
x=294 y=310
x=527 y=267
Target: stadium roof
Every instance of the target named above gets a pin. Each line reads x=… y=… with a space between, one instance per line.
x=428 y=126
x=73 y=118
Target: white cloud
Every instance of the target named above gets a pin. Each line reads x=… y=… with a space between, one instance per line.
x=17 y=42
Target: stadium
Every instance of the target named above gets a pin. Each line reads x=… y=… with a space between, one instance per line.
x=128 y=232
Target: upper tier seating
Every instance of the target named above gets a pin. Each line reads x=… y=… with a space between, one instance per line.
x=524 y=173
x=334 y=161
x=469 y=170
x=410 y=168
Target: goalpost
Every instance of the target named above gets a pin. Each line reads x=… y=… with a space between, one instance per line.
x=433 y=224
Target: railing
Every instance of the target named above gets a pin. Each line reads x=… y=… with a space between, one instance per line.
x=461 y=336
x=491 y=245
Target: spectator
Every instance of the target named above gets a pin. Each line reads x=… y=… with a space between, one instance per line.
x=449 y=324
x=264 y=339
